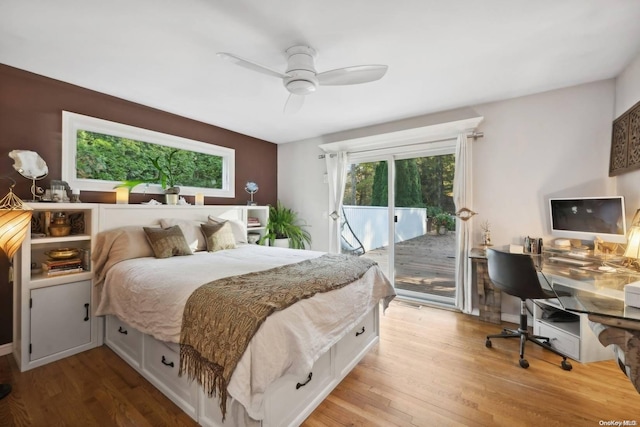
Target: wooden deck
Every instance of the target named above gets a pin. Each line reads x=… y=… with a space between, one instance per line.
x=424 y=264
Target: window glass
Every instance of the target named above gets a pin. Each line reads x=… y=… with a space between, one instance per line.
x=99 y=155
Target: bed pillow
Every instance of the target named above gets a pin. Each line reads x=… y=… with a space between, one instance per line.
x=167 y=242
x=219 y=236
x=191 y=230
x=132 y=243
x=237 y=226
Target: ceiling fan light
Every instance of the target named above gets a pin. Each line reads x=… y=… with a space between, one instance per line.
x=301 y=87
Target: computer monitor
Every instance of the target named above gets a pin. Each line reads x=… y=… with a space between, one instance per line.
x=586 y=218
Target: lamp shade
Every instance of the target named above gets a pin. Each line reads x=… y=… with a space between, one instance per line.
x=15 y=222
x=14 y=225
x=633 y=243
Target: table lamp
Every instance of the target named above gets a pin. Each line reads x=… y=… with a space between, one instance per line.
x=632 y=252
x=15 y=222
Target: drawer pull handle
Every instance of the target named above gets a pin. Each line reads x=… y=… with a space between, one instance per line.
x=361 y=332
x=164 y=362
x=86 y=308
x=304 y=383
x=122 y=331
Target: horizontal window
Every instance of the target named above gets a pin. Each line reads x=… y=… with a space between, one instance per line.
x=98 y=155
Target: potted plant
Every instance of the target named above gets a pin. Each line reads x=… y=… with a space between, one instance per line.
x=166 y=177
x=284 y=225
x=441 y=222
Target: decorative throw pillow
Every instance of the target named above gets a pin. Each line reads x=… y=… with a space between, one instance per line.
x=219 y=236
x=167 y=242
x=238 y=227
x=191 y=230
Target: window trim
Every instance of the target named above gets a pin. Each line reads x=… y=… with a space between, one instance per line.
x=73 y=122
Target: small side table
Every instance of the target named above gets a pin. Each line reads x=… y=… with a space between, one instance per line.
x=489 y=297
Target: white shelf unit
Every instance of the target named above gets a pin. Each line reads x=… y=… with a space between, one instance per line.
x=53 y=315
x=574 y=339
x=262 y=214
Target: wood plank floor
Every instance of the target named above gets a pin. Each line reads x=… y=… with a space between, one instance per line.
x=431 y=368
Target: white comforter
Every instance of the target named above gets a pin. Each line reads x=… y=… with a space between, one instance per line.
x=150 y=294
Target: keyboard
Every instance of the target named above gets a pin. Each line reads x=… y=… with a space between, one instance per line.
x=571 y=261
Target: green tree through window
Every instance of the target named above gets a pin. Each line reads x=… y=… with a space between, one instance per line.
x=113 y=158
x=420 y=182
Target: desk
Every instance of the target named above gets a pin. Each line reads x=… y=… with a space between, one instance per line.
x=599 y=296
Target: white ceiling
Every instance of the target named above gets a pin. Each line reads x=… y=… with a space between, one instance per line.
x=442 y=54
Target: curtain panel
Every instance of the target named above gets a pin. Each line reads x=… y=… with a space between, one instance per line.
x=337 y=166
x=462 y=198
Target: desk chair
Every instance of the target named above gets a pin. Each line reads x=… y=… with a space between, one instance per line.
x=516 y=275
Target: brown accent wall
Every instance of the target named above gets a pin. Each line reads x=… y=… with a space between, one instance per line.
x=31 y=119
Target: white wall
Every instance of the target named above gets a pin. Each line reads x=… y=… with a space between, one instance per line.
x=627 y=95
x=550 y=144
x=302 y=187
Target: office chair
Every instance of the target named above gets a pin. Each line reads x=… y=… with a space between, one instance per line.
x=516 y=275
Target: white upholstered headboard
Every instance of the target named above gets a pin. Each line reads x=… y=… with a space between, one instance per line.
x=113 y=216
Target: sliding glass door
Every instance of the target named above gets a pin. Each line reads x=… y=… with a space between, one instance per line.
x=425 y=237
x=393 y=209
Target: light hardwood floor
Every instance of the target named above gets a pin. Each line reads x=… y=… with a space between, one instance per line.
x=431 y=368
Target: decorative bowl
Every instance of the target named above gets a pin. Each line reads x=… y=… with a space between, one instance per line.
x=59 y=230
x=62 y=253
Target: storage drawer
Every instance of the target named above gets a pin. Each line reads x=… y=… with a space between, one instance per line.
x=296 y=392
x=162 y=362
x=124 y=340
x=564 y=342
x=355 y=340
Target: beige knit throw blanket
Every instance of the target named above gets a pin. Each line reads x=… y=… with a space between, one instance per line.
x=221 y=317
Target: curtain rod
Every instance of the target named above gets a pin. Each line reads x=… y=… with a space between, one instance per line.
x=475 y=135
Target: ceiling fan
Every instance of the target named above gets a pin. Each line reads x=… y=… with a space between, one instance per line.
x=301 y=78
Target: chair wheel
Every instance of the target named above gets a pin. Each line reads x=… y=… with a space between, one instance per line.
x=487 y=343
x=524 y=364
x=566 y=365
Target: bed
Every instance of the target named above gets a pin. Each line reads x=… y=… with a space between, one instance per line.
x=295 y=358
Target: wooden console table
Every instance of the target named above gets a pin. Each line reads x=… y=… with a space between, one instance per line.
x=489 y=297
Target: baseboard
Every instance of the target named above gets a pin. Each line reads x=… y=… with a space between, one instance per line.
x=6 y=349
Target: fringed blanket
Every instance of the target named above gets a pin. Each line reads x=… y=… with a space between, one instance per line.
x=221 y=317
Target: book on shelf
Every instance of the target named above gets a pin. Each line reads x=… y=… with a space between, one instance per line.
x=253 y=222
x=61 y=263
x=59 y=272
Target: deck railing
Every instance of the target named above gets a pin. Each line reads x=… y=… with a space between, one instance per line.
x=370 y=225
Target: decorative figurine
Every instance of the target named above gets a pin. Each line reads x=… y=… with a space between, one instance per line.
x=486 y=234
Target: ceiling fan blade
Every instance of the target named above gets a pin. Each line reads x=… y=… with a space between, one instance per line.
x=251 y=65
x=352 y=75
x=294 y=103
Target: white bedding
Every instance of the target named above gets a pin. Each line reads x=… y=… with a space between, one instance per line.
x=150 y=294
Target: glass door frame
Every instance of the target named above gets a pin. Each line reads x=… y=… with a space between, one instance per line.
x=390 y=155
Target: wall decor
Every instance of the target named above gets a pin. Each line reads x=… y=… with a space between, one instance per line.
x=625 y=142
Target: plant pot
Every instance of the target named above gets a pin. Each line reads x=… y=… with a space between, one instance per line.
x=171 y=199
x=281 y=243
x=442 y=229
